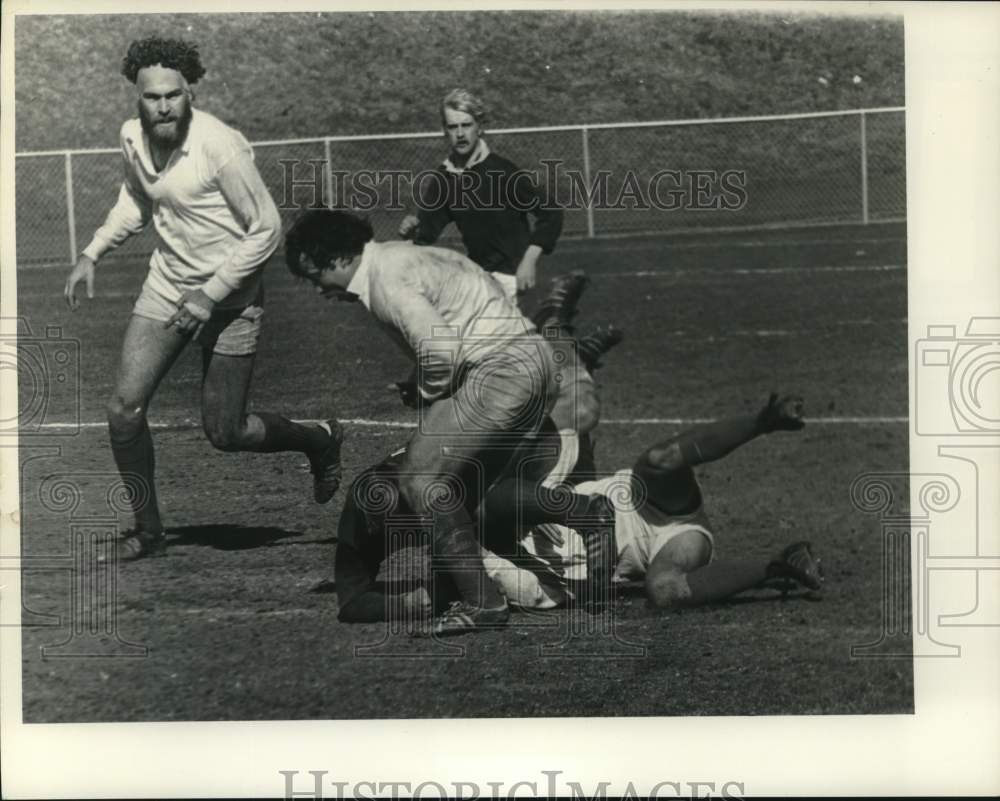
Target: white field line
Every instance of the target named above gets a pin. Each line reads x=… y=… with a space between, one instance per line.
x=664 y=273
x=362 y=422
x=660 y=241
x=833 y=268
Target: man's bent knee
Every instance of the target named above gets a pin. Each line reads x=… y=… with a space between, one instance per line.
x=226 y=436
x=125 y=419
x=666 y=457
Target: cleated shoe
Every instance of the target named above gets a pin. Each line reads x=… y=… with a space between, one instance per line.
x=135 y=544
x=797 y=562
x=593 y=346
x=325 y=467
x=598 y=532
x=558 y=307
x=463 y=618
x=781 y=414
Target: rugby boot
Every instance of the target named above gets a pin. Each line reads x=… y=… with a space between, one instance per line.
x=558 y=307
x=325 y=467
x=798 y=562
x=593 y=346
x=135 y=544
x=463 y=618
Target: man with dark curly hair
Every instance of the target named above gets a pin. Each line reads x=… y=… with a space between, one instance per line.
x=195 y=179
x=486 y=380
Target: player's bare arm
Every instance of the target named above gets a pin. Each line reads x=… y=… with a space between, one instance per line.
x=528 y=268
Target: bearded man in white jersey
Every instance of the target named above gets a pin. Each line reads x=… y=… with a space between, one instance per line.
x=194 y=178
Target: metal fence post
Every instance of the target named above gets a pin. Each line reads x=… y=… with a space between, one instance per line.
x=864 y=170
x=329 y=173
x=70 y=208
x=586 y=178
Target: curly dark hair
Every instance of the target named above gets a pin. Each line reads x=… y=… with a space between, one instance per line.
x=324 y=235
x=173 y=54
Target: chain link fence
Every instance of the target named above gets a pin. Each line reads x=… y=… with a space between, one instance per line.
x=620 y=179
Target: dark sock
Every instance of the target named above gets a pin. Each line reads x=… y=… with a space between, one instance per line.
x=457 y=554
x=712 y=441
x=281 y=434
x=724 y=578
x=136 y=463
x=521 y=504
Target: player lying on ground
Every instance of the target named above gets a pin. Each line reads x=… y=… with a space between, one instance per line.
x=377 y=520
x=662 y=533
x=375 y=515
x=486 y=380
x=194 y=178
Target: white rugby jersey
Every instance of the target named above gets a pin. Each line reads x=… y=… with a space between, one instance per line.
x=202 y=244
x=641 y=530
x=440 y=308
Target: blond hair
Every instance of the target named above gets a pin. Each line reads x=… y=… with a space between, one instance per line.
x=466 y=102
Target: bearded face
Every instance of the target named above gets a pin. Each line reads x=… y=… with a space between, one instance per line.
x=164 y=106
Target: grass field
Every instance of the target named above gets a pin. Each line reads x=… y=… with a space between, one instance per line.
x=239 y=620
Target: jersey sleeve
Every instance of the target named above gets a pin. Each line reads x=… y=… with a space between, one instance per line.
x=231 y=162
x=434 y=213
x=399 y=302
x=548 y=216
x=131 y=213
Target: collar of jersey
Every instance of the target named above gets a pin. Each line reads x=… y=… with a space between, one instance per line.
x=478 y=155
x=359 y=283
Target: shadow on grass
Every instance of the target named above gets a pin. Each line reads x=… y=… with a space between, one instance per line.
x=792 y=592
x=227 y=537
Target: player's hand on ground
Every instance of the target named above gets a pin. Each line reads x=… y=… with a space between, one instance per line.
x=408 y=227
x=783 y=413
x=82 y=271
x=194 y=309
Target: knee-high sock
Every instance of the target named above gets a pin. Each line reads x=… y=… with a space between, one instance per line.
x=724 y=578
x=136 y=462
x=281 y=434
x=458 y=555
x=712 y=441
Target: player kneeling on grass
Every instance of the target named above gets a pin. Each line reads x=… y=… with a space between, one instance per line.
x=661 y=531
x=377 y=521
x=486 y=380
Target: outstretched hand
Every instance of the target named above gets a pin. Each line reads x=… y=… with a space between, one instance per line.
x=782 y=413
x=82 y=271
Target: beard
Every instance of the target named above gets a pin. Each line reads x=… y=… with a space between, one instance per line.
x=160 y=134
